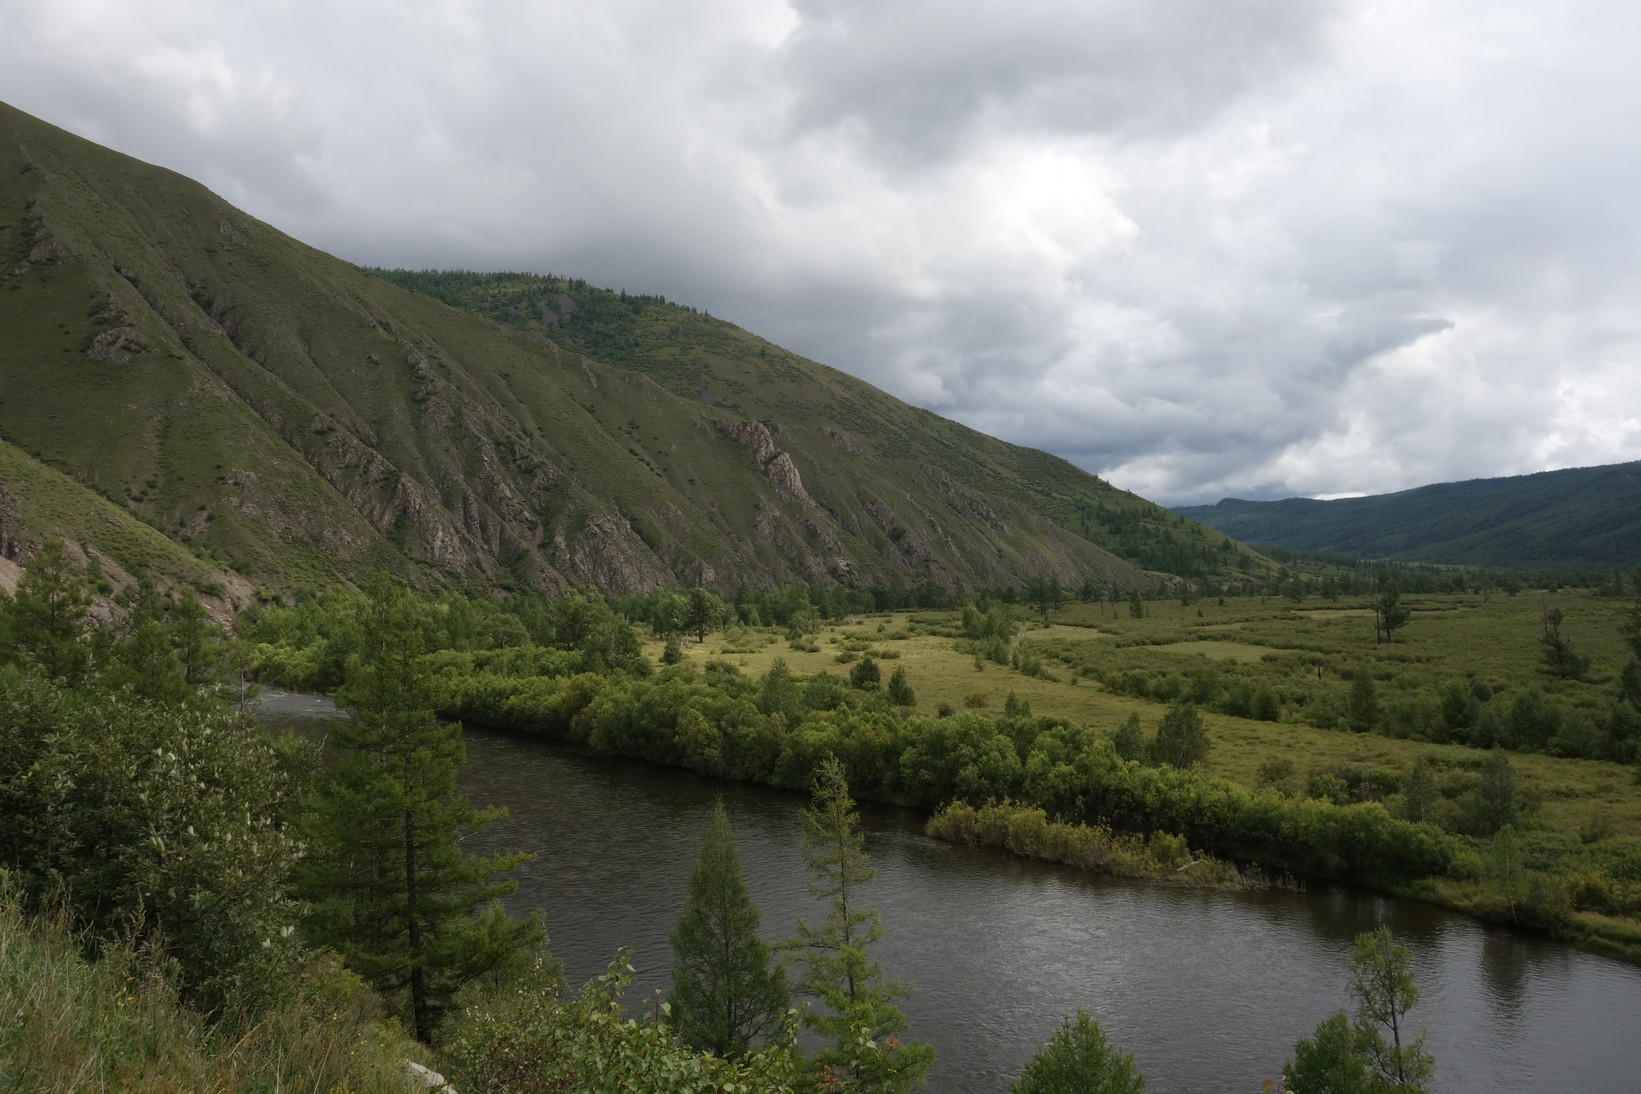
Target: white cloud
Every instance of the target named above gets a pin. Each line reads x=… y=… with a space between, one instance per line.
x=1258 y=247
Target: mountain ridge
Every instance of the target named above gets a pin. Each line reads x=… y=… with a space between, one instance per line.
x=1585 y=516
x=299 y=420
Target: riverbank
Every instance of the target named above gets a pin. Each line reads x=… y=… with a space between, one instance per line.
x=1209 y=988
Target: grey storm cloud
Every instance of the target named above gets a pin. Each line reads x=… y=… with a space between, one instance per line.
x=1254 y=248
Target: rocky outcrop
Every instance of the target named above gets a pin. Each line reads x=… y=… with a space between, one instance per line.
x=777 y=466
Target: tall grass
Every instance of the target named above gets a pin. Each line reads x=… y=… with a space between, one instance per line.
x=112 y=1023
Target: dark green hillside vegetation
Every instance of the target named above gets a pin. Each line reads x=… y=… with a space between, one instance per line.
x=714 y=362
x=295 y=419
x=1582 y=517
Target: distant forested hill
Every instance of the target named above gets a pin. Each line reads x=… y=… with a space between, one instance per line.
x=1586 y=516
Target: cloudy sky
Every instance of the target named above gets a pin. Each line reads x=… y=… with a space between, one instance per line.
x=1225 y=247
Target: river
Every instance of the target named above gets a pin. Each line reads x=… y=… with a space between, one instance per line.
x=1208 y=990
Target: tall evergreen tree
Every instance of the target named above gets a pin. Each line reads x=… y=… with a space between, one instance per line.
x=1389 y=613
x=726 y=997
x=856 y=1011
x=390 y=886
x=46 y=622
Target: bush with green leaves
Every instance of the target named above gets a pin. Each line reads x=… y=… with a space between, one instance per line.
x=154 y=821
x=524 y=1035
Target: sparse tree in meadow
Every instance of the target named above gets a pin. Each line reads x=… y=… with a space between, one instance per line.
x=1389 y=613
x=1046 y=595
x=1362 y=705
x=1180 y=740
x=1419 y=793
x=900 y=689
x=706 y=612
x=1561 y=660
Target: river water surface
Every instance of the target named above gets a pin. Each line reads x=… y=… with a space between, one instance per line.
x=1208 y=990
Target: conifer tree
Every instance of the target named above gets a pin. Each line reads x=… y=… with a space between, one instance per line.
x=856 y=1010
x=900 y=690
x=390 y=886
x=726 y=998
x=1079 y=1060
x=46 y=620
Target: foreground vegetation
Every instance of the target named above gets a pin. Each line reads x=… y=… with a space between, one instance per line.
x=158 y=845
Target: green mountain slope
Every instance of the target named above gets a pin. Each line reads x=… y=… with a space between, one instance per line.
x=279 y=410
x=1588 y=516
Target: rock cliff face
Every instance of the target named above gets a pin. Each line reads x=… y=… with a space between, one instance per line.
x=777 y=466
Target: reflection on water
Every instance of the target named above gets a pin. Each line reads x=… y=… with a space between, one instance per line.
x=1208 y=990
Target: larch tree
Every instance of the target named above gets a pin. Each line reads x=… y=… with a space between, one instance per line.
x=855 y=1010
x=390 y=887
x=1389 y=613
x=726 y=996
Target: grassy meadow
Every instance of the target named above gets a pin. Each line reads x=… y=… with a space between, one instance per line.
x=1303 y=654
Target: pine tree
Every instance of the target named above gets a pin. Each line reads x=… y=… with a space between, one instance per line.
x=390 y=886
x=856 y=1009
x=46 y=620
x=1362 y=705
x=726 y=998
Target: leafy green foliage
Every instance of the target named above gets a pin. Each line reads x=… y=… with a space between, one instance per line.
x=1080 y=1060
x=524 y=1036
x=1389 y=613
x=45 y=620
x=113 y=1022
x=162 y=823
x=1560 y=658
x=1180 y=740
x=1376 y=1053
x=726 y=997
x=900 y=691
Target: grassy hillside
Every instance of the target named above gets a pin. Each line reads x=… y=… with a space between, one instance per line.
x=39 y=503
x=710 y=361
x=1588 y=516
x=303 y=421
